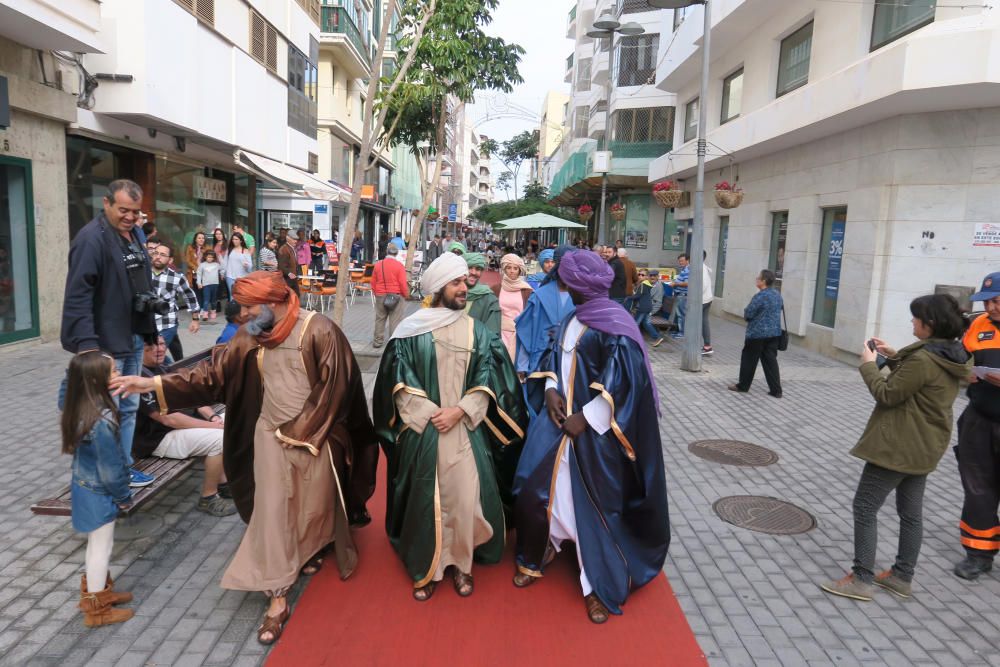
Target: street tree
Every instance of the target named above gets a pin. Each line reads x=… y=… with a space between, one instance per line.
x=516 y=150
x=414 y=17
x=454 y=59
x=503 y=183
x=535 y=190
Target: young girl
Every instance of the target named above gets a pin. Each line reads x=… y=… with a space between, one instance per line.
x=269 y=255
x=208 y=277
x=100 y=485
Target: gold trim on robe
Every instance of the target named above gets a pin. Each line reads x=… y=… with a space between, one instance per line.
x=297 y=443
x=626 y=445
x=438 y=537
x=160 y=397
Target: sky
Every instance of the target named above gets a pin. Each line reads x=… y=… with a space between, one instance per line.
x=539 y=26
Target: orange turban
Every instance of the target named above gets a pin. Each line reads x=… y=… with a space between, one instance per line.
x=267 y=287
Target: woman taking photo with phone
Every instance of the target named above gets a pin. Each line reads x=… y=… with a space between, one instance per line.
x=906 y=435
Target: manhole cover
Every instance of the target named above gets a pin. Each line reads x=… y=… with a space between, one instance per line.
x=733 y=452
x=764 y=515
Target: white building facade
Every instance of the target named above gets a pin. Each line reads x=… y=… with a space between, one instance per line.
x=870 y=162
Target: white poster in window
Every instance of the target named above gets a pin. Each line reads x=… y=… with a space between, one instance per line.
x=986 y=234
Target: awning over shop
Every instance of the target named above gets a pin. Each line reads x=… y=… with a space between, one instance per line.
x=290 y=178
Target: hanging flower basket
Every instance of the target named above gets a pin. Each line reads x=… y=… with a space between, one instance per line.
x=617 y=212
x=667 y=194
x=728 y=196
x=415 y=212
x=585 y=212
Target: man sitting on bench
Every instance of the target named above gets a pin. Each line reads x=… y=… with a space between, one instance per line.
x=181 y=435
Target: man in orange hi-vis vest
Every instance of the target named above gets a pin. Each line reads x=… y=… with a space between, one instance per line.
x=978 y=448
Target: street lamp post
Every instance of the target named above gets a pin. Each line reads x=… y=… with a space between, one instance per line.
x=606 y=27
x=691 y=356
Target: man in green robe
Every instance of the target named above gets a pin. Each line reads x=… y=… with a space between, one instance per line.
x=483 y=304
x=450 y=417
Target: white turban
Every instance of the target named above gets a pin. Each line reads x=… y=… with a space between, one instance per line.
x=442 y=271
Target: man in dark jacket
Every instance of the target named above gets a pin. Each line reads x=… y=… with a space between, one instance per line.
x=108 y=267
x=978 y=449
x=617 y=292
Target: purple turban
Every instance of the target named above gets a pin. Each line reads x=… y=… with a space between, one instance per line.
x=589 y=275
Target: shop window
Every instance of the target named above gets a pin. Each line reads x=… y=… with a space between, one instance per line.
x=776 y=257
x=828 y=272
x=720 y=263
x=18 y=290
x=635 y=59
x=793 y=60
x=895 y=18
x=732 y=95
x=691 y=120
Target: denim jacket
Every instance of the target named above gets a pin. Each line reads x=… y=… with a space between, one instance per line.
x=99 y=463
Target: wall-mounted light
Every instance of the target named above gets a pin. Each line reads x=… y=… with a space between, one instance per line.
x=181 y=143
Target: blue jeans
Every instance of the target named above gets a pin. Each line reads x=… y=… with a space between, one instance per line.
x=208 y=297
x=169 y=334
x=680 y=306
x=645 y=322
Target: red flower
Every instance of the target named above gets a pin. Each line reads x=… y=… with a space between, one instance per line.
x=617 y=207
x=725 y=185
x=665 y=185
x=585 y=208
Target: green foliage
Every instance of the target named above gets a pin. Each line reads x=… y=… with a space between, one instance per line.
x=489 y=148
x=516 y=150
x=504 y=181
x=492 y=213
x=535 y=190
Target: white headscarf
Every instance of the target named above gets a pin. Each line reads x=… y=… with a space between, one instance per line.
x=442 y=271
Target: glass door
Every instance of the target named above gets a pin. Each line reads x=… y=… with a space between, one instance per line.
x=831 y=249
x=720 y=265
x=18 y=289
x=779 y=234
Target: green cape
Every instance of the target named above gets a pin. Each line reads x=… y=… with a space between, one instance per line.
x=412 y=507
x=484 y=306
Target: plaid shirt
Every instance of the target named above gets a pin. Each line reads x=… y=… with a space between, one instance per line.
x=171 y=286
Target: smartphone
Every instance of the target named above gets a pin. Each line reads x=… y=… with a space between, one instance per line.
x=871 y=344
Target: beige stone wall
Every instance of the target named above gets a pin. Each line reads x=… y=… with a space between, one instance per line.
x=37 y=132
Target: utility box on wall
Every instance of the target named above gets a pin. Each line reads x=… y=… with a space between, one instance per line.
x=4 y=104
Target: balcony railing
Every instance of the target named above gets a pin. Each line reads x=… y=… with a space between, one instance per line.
x=338 y=20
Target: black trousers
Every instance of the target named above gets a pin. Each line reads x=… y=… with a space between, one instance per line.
x=765 y=351
x=978 y=454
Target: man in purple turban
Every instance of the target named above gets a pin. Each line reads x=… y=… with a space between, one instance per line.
x=591 y=471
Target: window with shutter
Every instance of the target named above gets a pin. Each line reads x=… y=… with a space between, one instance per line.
x=258 y=39
x=313 y=163
x=205 y=10
x=272 y=49
x=186 y=4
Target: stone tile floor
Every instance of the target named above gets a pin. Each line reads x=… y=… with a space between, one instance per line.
x=751 y=598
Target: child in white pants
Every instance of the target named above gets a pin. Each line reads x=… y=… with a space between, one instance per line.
x=100 y=485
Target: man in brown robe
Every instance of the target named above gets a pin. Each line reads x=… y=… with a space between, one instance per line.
x=299 y=447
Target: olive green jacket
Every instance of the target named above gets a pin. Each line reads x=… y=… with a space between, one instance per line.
x=910 y=428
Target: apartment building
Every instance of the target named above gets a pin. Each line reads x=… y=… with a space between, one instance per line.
x=641 y=126
x=869 y=159
x=551 y=129
x=37 y=104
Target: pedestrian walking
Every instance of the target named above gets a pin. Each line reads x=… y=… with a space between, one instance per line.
x=268 y=256
x=100 y=486
x=512 y=293
x=357 y=247
x=680 y=288
x=907 y=434
x=978 y=449
x=390 y=288
x=642 y=301
x=707 y=295
x=763 y=316
x=303 y=252
x=288 y=263
x=449 y=413
x=591 y=472
x=317 y=252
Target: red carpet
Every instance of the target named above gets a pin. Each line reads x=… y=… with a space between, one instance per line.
x=372 y=619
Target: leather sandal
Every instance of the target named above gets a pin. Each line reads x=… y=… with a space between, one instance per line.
x=463 y=583
x=424 y=593
x=313 y=565
x=522 y=580
x=596 y=610
x=273 y=625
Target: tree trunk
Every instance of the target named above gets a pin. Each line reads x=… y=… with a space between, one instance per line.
x=428 y=192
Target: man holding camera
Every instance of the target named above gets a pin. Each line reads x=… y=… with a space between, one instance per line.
x=170 y=287
x=106 y=304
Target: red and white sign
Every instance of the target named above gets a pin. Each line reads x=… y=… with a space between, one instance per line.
x=986 y=234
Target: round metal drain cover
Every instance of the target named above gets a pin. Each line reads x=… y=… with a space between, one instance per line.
x=764 y=515
x=733 y=452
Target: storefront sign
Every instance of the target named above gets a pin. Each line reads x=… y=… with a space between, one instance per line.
x=209 y=189
x=835 y=258
x=4 y=104
x=321 y=208
x=368 y=192
x=986 y=234
x=453 y=211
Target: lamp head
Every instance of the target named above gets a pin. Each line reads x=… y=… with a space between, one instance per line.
x=607 y=21
x=631 y=29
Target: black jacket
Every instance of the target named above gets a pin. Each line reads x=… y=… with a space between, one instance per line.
x=617 y=290
x=97 y=308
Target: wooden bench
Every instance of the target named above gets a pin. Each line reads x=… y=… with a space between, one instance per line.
x=164 y=470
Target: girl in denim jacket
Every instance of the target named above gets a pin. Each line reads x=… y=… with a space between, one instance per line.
x=100 y=485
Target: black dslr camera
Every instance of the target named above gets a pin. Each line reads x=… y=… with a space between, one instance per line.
x=150 y=302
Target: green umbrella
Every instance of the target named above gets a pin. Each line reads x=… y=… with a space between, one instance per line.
x=537 y=221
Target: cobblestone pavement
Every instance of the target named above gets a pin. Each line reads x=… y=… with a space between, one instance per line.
x=751 y=598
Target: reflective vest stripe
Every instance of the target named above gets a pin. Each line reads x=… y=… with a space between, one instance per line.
x=982 y=545
x=991 y=533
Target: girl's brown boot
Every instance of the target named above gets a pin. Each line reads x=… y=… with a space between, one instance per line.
x=97 y=609
x=116 y=597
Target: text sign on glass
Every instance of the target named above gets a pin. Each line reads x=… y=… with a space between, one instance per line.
x=835 y=258
x=209 y=189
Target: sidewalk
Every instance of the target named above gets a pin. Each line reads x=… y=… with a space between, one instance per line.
x=750 y=598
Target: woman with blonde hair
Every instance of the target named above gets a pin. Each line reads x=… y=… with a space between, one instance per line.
x=513 y=293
